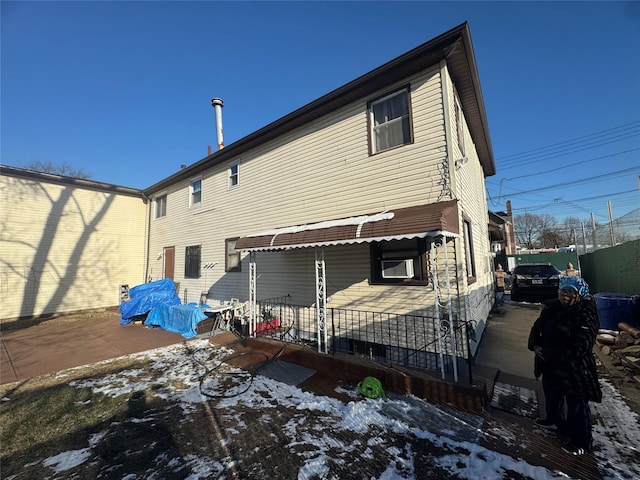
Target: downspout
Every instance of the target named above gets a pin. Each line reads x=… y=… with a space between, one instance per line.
x=447 y=95
x=147 y=233
x=448 y=134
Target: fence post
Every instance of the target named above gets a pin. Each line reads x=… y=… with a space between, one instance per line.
x=469 y=361
x=333 y=332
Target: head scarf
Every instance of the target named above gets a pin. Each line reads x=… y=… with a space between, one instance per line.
x=577 y=283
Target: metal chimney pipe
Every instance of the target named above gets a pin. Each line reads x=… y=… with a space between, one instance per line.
x=217 y=105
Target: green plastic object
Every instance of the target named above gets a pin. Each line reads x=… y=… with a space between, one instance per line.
x=371 y=387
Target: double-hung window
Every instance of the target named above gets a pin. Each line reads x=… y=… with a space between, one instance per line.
x=192 y=262
x=161 y=206
x=390 y=121
x=234 y=175
x=459 y=124
x=195 y=193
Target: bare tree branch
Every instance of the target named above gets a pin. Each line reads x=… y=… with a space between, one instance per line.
x=63 y=169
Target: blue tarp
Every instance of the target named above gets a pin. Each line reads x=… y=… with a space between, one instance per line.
x=145 y=297
x=182 y=319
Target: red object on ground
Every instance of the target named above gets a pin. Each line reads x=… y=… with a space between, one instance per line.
x=264 y=327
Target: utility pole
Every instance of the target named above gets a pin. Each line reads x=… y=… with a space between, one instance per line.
x=593 y=233
x=584 y=238
x=611 y=231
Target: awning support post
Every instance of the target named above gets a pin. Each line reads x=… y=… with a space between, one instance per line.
x=252 y=294
x=452 y=331
x=436 y=291
x=321 y=301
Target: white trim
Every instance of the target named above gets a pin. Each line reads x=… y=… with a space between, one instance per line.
x=230 y=165
x=351 y=241
x=360 y=220
x=164 y=194
x=193 y=204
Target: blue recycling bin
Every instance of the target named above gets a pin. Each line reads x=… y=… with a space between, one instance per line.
x=614 y=308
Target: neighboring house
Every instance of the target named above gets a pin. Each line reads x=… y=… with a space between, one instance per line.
x=502 y=235
x=369 y=199
x=502 y=231
x=66 y=244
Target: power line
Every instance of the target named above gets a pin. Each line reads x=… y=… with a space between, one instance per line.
x=560 y=149
x=614 y=174
x=564 y=153
x=555 y=202
x=539 y=151
x=570 y=165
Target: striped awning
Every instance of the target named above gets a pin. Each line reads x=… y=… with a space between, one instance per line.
x=433 y=219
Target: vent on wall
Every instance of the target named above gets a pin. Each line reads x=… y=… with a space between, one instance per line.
x=402 y=268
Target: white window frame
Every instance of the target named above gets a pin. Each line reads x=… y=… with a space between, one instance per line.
x=469 y=252
x=157 y=203
x=459 y=123
x=193 y=191
x=404 y=120
x=233 y=260
x=233 y=179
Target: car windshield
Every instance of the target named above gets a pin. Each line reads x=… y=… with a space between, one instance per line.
x=536 y=270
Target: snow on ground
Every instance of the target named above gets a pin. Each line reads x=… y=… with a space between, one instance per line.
x=322 y=422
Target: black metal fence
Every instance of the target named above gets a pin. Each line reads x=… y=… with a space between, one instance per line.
x=394 y=339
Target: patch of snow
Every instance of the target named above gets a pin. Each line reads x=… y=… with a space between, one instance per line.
x=178 y=374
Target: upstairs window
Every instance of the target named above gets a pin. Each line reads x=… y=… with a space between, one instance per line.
x=232 y=257
x=192 y=262
x=161 y=206
x=401 y=262
x=459 y=123
x=234 y=175
x=390 y=121
x=195 y=193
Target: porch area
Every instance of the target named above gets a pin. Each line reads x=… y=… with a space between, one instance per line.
x=435 y=344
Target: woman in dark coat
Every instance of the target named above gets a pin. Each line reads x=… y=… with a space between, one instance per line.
x=562 y=339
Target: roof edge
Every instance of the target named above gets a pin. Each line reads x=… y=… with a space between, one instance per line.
x=72 y=181
x=416 y=59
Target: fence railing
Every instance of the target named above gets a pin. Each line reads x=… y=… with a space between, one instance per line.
x=394 y=339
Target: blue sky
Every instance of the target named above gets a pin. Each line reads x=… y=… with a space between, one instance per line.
x=123 y=89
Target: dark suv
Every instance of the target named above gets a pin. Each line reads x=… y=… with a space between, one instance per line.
x=534 y=282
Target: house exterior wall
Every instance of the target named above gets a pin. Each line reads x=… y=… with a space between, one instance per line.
x=66 y=248
x=322 y=171
x=469 y=187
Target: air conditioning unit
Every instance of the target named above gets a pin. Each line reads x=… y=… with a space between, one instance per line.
x=402 y=268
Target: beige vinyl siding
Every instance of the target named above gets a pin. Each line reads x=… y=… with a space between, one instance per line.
x=66 y=248
x=318 y=172
x=469 y=187
x=347 y=281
